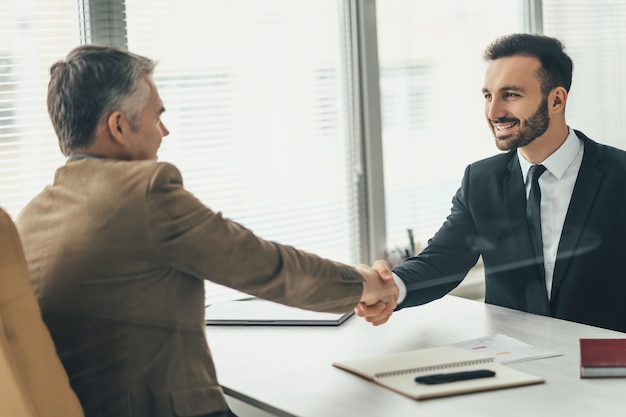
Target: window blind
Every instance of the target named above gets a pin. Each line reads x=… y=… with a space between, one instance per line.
x=431 y=76
x=594 y=32
x=257 y=97
x=257 y=106
x=33 y=35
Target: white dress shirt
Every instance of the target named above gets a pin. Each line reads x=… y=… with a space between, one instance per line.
x=557 y=185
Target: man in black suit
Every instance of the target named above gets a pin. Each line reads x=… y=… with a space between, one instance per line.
x=572 y=267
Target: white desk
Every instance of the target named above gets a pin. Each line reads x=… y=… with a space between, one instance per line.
x=287 y=371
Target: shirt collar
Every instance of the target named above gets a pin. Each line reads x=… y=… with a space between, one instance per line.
x=560 y=159
x=83 y=156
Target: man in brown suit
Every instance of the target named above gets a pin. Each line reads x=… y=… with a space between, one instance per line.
x=118 y=251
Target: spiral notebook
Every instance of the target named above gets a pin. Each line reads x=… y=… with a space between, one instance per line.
x=398 y=371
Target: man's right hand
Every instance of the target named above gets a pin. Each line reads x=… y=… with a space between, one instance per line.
x=380 y=293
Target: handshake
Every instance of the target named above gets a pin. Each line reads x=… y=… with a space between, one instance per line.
x=380 y=293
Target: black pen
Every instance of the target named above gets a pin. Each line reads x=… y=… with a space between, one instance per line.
x=454 y=376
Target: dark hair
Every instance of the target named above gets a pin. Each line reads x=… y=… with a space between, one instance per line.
x=91 y=83
x=556 y=65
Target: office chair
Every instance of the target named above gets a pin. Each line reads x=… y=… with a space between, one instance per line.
x=33 y=382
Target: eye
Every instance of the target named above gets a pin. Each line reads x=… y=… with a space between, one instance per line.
x=510 y=94
x=487 y=96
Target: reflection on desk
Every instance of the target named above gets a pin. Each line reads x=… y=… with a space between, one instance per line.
x=289 y=372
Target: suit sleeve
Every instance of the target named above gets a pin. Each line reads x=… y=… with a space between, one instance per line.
x=447 y=258
x=192 y=238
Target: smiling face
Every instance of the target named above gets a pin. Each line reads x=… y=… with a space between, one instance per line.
x=515 y=107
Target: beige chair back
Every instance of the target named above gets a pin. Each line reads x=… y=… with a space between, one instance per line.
x=33 y=381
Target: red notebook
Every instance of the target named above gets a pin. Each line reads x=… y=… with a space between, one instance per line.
x=602 y=358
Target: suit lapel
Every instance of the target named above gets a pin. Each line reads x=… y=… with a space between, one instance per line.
x=583 y=196
x=515 y=200
x=515 y=197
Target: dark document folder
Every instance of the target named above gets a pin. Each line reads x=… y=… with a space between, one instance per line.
x=267 y=313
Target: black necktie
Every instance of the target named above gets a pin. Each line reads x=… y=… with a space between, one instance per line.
x=533 y=212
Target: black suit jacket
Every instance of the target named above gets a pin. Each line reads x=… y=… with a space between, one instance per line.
x=488 y=219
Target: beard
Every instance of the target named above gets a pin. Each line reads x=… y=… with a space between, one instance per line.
x=533 y=127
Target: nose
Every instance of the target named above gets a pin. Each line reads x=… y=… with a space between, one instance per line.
x=494 y=109
x=164 y=130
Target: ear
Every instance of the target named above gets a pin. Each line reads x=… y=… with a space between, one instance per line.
x=557 y=100
x=117 y=126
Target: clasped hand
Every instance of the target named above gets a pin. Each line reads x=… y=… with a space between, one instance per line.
x=380 y=293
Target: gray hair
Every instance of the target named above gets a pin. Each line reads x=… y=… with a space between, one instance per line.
x=91 y=83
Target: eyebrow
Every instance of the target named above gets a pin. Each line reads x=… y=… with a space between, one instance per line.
x=507 y=88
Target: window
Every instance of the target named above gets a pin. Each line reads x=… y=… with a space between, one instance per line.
x=431 y=75
x=256 y=102
x=33 y=35
x=258 y=112
x=594 y=33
